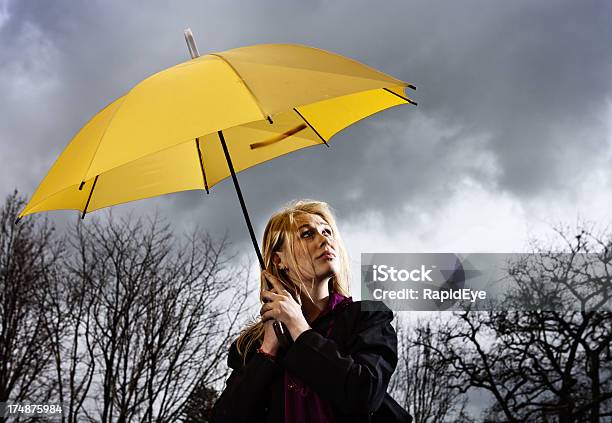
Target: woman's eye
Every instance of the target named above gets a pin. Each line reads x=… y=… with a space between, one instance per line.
x=309 y=232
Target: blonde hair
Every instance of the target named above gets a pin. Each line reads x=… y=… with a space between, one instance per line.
x=281 y=231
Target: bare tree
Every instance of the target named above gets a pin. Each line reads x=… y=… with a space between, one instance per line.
x=422 y=379
x=29 y=258
x=549 y=364
x=141 y=320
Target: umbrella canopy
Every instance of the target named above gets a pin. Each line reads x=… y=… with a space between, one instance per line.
x=163 y=135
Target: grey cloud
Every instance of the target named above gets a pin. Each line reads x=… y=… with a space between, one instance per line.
x=511 y=94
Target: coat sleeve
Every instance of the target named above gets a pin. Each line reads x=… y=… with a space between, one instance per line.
x=354 y=380
x=246 y=390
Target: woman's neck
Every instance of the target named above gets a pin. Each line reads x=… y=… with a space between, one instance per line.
x=320 y=295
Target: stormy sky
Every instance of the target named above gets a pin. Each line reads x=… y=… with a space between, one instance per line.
x=512 y=134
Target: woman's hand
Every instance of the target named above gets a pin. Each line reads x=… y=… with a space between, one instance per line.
x=281 y=306
x=270 y=343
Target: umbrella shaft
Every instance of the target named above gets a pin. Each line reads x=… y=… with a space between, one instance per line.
x=244 y=209
x=282 y=333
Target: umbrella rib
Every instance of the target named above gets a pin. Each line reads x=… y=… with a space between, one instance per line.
x=89 y=198
x=202 y=164
x=224 y=60
x=400 y=96
x=311 y=127
x=102 y=136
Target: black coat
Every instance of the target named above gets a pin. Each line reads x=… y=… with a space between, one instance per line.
x=350 y=369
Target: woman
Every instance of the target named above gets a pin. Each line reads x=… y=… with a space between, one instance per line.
x=339 y=359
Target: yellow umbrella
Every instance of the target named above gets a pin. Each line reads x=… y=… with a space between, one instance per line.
x=194 y=124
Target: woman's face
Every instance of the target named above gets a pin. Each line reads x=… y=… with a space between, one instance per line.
x=315 y=249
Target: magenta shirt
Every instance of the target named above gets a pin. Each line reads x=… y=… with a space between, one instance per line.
x=302 y=404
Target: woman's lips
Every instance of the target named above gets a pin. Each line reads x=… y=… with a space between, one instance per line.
x=327 y=255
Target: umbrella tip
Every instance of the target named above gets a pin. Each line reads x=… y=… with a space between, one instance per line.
x=191 y=45
x=81 y=186
x=412 y=86
x=18 y=219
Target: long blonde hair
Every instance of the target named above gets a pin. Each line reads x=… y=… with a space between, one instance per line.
x=281 y=231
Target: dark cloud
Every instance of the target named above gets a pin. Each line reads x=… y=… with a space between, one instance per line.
x=513 y=95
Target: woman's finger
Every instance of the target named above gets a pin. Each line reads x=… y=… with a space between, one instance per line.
x=264 y=308
x=270 y=296
x=270 y=314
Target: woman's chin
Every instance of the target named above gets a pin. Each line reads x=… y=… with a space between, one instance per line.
x=329 y=270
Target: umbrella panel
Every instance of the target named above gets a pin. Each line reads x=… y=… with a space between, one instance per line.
x=178 y=168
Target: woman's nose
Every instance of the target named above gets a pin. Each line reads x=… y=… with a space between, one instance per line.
x=322 y=237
